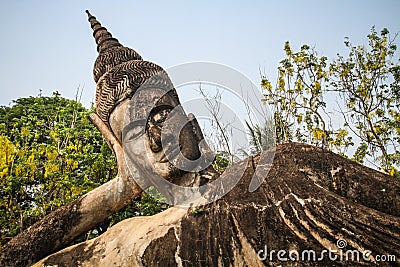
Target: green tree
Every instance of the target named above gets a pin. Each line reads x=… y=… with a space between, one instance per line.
x=298 y=96
x=52 y=154
x=367 y=82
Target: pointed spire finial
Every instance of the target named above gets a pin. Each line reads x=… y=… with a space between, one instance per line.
x=104 y=39
x=87 y=12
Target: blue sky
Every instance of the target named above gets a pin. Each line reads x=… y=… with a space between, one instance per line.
x=48 y=45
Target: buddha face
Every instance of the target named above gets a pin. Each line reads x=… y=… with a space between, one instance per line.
x=171 y=144
x=165 y=140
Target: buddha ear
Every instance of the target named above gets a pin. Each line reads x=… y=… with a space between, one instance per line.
x=203 y=146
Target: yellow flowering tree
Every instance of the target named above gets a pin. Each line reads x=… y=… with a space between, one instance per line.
x=368 y=83
x=365 y=85
x=50 y=153
x=298 y=97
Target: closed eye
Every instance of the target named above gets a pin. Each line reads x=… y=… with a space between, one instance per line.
x=133 y=130
x=159 y=114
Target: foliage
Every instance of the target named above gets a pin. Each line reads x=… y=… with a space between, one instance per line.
x=367 y=83
x=149 y=203
x=261 y=137
x=221 y=162
x=152 y=202
x=50 y=154
x=298 y=98
x=197 y=211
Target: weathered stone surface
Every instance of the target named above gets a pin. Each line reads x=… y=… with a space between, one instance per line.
x=309 y=199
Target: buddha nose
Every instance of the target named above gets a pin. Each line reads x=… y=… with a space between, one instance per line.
x=188 y=143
